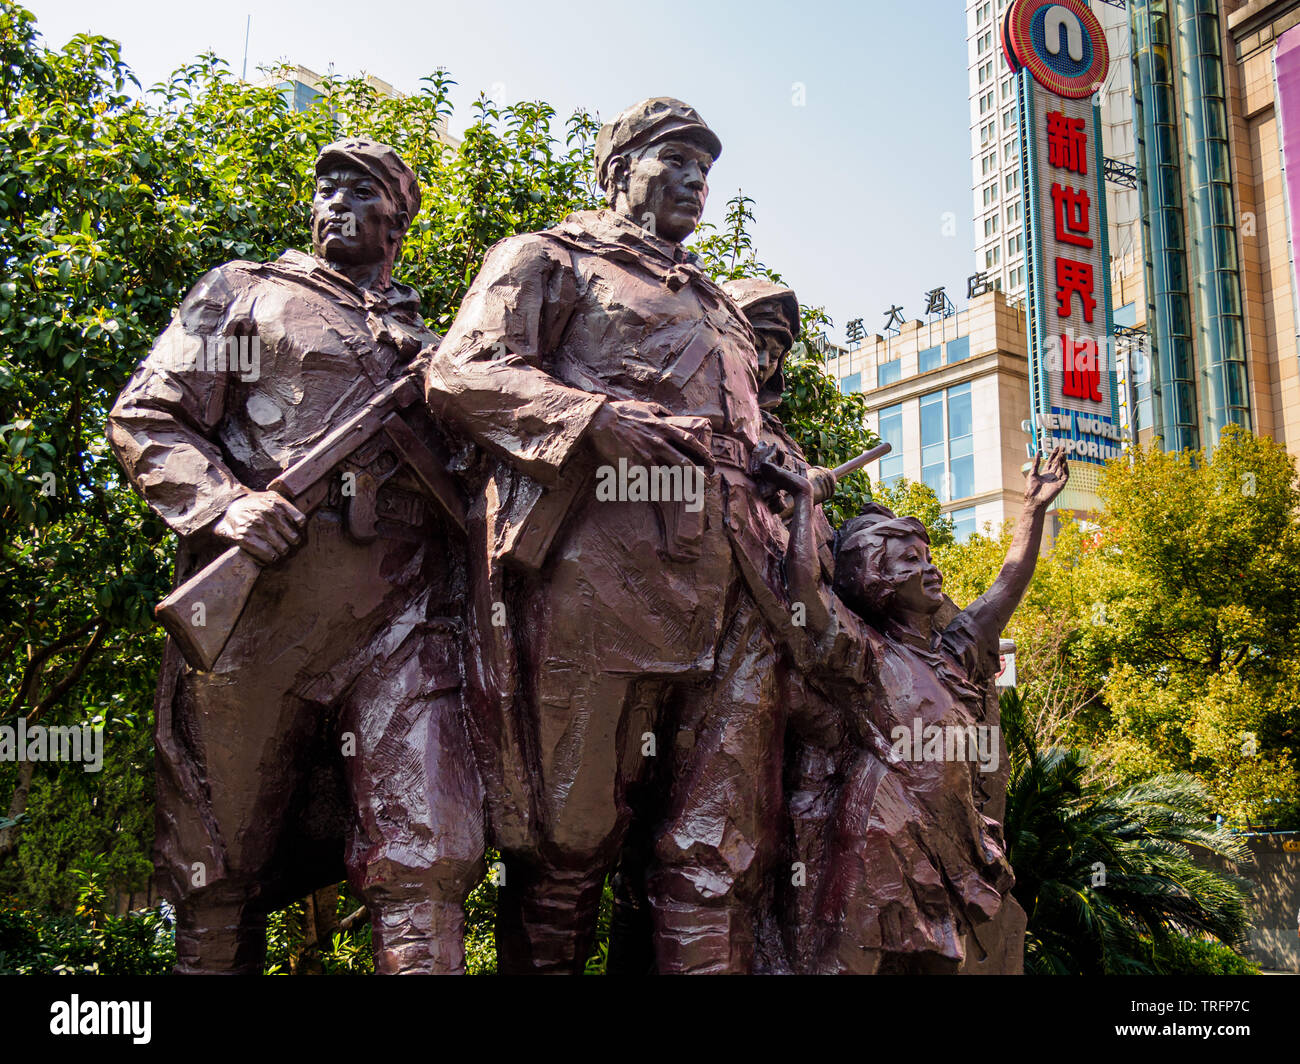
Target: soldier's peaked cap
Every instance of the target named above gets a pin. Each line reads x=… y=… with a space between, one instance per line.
x=650 y=121
x=379 y=161
x=750 y=293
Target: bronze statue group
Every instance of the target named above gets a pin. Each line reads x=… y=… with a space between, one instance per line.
x=436 y=636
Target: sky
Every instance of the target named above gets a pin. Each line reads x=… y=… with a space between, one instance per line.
x=846 y=122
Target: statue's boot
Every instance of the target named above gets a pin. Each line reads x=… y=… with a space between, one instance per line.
x=546 y=920
x=424 y=937
x=696 y=934
x=219 y=938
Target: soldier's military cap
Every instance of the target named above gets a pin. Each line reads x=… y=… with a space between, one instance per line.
x=752 y=293
x=648 y=122
x=379 y=161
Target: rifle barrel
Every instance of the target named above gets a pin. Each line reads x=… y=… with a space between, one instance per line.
x=852 y=464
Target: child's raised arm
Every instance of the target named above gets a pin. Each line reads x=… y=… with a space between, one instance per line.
x=995 y=607
x=802 y=566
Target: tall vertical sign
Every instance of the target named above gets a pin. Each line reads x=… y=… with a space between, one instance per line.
x=1058 y=50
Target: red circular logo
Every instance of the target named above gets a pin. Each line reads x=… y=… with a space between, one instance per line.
x=1060 y=43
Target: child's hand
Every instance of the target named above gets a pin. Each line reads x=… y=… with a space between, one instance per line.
x=1041 y=487
x=763 y=468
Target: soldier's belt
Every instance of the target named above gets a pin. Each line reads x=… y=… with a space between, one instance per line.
x=391 y=503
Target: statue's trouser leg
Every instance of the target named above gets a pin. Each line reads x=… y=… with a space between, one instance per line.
x=546 y=918
x=416 y=846
x=600 y=632
x=717 y=847
x=235 y=745
x=547 y=906
x=811 y=802
x=220 y=815
x=219 y=936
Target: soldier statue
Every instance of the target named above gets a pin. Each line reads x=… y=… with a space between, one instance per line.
x=597 y=622
x=322 y=733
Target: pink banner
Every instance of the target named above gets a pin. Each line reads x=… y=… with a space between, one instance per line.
x=1286 y=66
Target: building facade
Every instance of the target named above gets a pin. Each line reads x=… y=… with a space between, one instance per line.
x=951 y=395
x=1218 y=263
x=1259 y=44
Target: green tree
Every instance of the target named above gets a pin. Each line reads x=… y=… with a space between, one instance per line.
x=729 y=253
x=912 y=498
x=1107 y=873
x=827 y=424
x=1164 y=633
x=1200 y=633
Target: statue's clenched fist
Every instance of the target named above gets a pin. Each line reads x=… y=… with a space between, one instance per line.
x=264 y=523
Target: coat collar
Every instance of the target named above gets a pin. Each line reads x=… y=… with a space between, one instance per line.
x=397 y=298
x=611 y=235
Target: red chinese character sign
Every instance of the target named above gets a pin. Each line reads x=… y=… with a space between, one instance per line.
x=1059 y=50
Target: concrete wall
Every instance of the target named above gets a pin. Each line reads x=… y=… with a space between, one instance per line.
x=1275 y=872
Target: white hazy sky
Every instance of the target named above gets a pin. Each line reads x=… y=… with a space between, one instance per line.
x=851 y=188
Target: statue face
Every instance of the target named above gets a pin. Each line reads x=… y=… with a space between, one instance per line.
x=772 y=345
x=353 y=220
x=667 y=181
x=906 y=565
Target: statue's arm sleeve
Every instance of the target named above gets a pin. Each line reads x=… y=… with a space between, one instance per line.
x=163 y=425
x=973 y=637
x=490 y=375
x=843 y=654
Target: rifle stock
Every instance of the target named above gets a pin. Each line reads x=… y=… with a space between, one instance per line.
x=203 y=611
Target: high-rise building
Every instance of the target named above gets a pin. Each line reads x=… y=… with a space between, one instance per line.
x=1220 y=306
x=995 y=145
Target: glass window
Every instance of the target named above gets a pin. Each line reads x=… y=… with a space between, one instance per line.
x=961 y=442
x=891 y=432
x=963 y=477
x=963 y=523
x=959 y=416
x=851 y=383
x=927 y=360
x=958 y=349
x=932 y=442
x=889 y=372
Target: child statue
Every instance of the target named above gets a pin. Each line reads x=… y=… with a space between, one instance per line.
x=911 y=863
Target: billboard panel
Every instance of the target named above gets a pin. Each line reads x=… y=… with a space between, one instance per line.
x=1060 y=52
